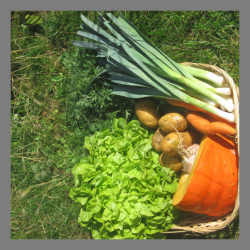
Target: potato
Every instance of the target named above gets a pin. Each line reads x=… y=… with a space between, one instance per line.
x=170 y=142
x=173 y=162
x=172 y=122
x=145 y=110
x=156 y=140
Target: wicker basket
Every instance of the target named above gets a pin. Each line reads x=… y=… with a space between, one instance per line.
x=192 y=223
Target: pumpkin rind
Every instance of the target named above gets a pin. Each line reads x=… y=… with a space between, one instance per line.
x=211 y=187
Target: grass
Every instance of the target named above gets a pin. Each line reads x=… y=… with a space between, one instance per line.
x=48 y=80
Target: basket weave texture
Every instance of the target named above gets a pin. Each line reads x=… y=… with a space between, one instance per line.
x=192 y=223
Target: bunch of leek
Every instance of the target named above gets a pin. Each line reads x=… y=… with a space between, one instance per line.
x=137 y=69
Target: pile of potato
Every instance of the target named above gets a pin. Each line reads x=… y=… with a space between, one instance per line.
x=172 y=128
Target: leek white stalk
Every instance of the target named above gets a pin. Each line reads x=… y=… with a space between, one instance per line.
x=221 y=91
x=227 y=116
x=229 y=99
x=204 y=91
x=204 y=74
x=222 y=108
x=204 y=99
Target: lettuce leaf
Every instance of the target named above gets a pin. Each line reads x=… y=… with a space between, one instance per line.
x=123 y=190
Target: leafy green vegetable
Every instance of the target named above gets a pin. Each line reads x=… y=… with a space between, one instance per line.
x=123 y=190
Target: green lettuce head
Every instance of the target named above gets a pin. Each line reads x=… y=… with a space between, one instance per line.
x=123 y=190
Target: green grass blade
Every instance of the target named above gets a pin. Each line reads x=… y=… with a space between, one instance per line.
x=33 y=19
x=93 y=81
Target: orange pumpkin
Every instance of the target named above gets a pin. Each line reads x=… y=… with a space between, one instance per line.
x=211 y=187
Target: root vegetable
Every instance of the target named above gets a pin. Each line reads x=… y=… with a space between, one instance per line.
x=201 y=123
x=157 y=139
x=173 y=162
x=215 y=119
x=146 y=112
x=172 y=122
x=170 y=142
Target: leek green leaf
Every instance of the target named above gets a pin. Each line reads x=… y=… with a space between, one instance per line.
x=90 y=30
x=174 y=66
x=97 y=38
x=99 y=30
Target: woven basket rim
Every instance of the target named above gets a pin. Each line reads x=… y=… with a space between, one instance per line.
x=200 y=223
